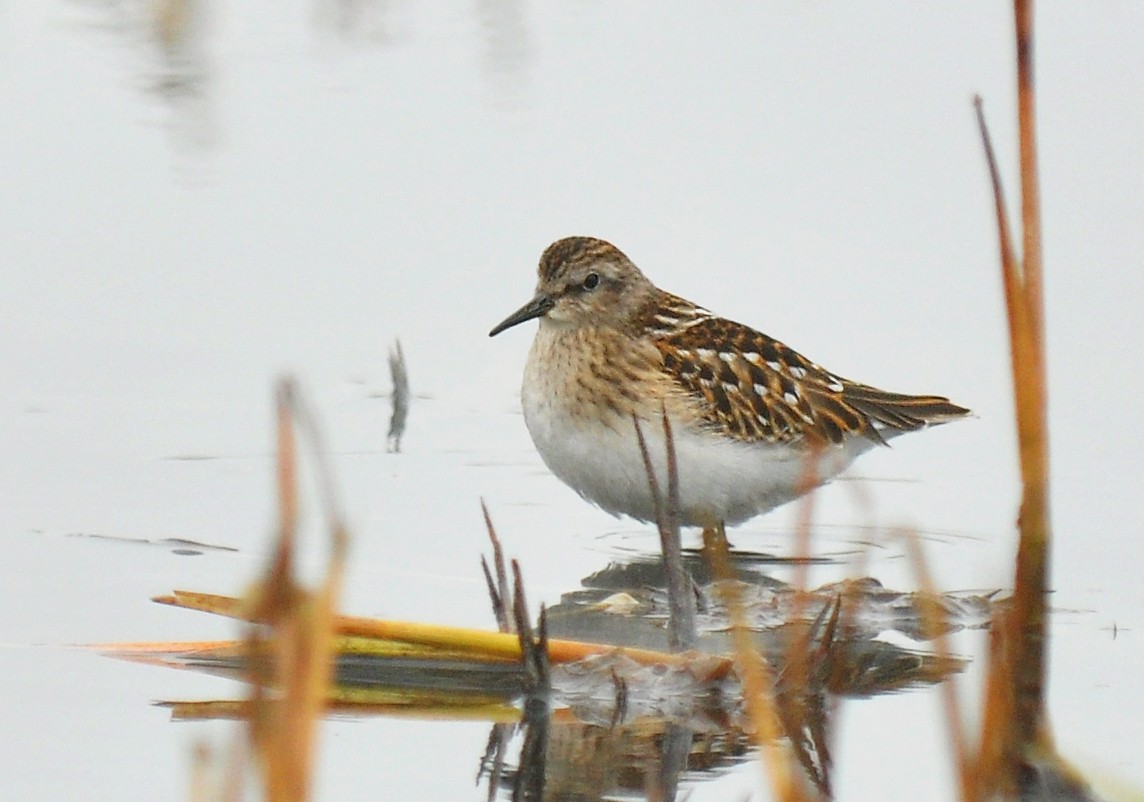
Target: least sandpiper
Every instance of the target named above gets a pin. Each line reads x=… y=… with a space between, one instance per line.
x=755 y=424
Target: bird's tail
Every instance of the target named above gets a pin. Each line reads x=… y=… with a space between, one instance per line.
x=895 y=413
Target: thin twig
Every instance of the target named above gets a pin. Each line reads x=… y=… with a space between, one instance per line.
x=533 y=648
x=399 y=398
x=681 y=628
x=498 y=590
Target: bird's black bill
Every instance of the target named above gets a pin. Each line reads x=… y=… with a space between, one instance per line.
x=537 y=307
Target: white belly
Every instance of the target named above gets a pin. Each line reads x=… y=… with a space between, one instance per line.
x=719 y=479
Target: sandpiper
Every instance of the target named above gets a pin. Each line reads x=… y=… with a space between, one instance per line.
x=755 y=424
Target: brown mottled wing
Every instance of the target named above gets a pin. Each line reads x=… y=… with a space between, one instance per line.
x=754 y=388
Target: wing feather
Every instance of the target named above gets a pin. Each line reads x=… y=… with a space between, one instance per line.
x=754 y=388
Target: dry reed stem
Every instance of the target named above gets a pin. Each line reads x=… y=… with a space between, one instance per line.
x=498 y=589
x=1028 y=628
x=806 y=487
x=284 y=721
x=1014 y=724
x=757 y=680
x=1033 y=274
x=998 y=696
x=408 y=705
x=798 y=651
x=681 y=629
x=931 y=611
x=478 y=644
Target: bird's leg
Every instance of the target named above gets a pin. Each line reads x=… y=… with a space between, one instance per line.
x=716 y=548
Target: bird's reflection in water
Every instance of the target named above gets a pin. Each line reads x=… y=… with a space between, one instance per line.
x=611 y=727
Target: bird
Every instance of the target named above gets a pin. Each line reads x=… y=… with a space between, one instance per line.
x=753 y=423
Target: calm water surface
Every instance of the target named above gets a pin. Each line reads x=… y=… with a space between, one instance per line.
x=295 y=188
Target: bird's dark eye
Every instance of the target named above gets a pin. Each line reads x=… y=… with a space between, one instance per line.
x=591 y=281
